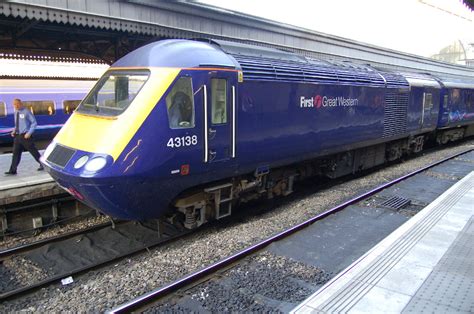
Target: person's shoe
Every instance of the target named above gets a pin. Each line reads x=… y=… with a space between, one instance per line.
x=10 y=173
x=40 y=168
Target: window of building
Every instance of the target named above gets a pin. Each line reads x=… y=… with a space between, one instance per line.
x=219 y=101
x=180 y=104
x=70 y=105
x=3 y=109
x=40 y=107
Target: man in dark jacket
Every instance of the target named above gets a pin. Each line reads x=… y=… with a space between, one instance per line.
x=25 y=125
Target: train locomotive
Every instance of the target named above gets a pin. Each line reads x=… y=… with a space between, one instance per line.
x=187 y=129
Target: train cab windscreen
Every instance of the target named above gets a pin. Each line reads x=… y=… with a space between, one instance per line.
x=113 y=93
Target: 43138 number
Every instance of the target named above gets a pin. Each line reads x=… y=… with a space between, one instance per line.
x=182 y=141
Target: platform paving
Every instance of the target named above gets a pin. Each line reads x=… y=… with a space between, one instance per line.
x=27 y=184
x=426 y=265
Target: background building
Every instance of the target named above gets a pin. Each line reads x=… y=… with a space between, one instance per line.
x=459 y=52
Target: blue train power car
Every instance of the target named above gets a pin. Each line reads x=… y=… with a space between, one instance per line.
x=190 y=128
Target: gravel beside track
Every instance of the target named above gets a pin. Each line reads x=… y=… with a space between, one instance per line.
x=250 y=280
x=17 y=272
x=106 y=288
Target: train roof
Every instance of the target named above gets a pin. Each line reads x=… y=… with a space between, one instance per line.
x=263 y=63
x=421 y=80
x=177 y=53
x=270 y=64
x=456 y=82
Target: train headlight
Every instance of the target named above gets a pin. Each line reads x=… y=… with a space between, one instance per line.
x=81 y=162
x=95 y=164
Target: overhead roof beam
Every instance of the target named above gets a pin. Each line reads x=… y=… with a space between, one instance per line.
x=178 y=19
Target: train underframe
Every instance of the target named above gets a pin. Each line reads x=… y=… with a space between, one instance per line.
x=197 y=207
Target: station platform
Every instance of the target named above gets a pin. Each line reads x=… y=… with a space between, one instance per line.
x=426 y=265
x=27 y=184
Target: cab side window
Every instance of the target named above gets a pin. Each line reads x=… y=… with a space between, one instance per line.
x=180 y=104
x=3 y=109
x=219 y=101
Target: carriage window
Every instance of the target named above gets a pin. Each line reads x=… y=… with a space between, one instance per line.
x=180 y=104
x=469 y=100
x=70 y=105
x=40 y=107
x=113 y=93
x=3 y=109
x=219 y=105
x=455 y=97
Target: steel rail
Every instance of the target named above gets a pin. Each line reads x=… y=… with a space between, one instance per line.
x=78 y=271
x=30 y=246
x=150 y=297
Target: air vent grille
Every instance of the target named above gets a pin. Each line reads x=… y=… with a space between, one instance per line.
x=395 y=118
x=267 y=69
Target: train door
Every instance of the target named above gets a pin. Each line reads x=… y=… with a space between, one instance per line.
x=427 y=103
x=220 y=117
x=430 y=108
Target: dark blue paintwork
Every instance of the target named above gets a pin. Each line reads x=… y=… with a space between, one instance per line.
x=280 y=120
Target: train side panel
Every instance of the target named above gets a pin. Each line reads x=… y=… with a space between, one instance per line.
x=289 y=122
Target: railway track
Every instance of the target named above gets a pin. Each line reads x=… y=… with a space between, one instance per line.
x=151 y=298
x=170 y=234
x=166 y=233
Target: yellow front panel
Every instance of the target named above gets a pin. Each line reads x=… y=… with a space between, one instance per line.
x=111 y=135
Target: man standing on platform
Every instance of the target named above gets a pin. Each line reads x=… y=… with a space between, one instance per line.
x=25 y=125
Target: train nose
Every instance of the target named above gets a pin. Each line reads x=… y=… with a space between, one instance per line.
x=100 y=197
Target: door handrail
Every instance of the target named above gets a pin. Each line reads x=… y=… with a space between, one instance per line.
x=233 y=122
x=206 y=140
